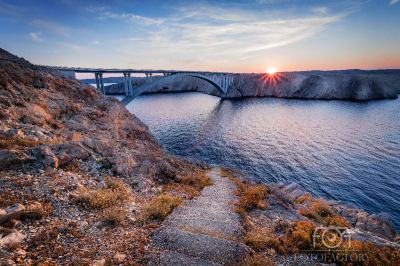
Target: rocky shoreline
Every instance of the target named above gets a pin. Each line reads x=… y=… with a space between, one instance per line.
x=329 y=85
x=83 y=182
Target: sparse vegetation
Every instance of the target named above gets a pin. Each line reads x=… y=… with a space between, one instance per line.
x=39 y=212
x=258 y=260
x=302 y=199
x=114 y=216
x=106 y=166
x=184 y=191
x=161 y=207
x=8 y=143
x=318 y=211
x=258 y=240
x=115 y=193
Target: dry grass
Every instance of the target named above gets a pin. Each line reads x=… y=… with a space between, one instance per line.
x=189 y=186
x=250 y=196
x=335 y=221
x=198 y=181
x=8 y=143
x=115 y=193
x=184 y=191
x=38 y=213
x=318 y=211
x=114 y=216
x=302 y=199
x=160 y=207
x=258 y=260
x=259 y=240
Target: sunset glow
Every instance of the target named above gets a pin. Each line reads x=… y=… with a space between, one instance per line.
x=271 y=70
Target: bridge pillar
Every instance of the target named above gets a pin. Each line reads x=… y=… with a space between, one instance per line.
x=126 y=84
x=101 y=83
x=130 y=85
x=97 y=80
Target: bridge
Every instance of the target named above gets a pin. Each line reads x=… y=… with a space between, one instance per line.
x=220 y=80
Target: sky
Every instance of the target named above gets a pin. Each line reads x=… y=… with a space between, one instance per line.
x=232 y=36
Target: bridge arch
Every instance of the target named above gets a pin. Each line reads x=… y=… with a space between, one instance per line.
x=219 y=81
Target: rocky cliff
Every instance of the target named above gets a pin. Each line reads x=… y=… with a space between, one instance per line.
x=359 y=85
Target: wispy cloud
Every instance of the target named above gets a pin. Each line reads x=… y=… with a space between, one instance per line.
x=233 y=31
x=394 y=2
x=51 y=26
x=93 y=9
x=73 y=47
x=322 y=10
x=96 y=42
x=131 y=18
x=35 y=36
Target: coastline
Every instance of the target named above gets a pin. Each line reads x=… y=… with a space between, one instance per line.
x=299 y=85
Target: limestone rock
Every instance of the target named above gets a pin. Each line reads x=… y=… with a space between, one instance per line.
x=8 y=158
x=360 y=235
x=380 y=224
x=101 y=262
x=119 y=257
x=14 y=212
x=15 y=236
x=50 y=159
x=295 y=191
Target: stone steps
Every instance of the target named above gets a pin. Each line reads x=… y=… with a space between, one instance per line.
x=209 y=205
x=226 y=230
x=215 y=250
x=170 y=258
x=201 y=232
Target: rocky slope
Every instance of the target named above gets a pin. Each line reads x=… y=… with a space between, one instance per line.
x=83 y=182
x=359 y=85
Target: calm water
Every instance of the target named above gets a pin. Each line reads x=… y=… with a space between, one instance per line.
x=348 y=151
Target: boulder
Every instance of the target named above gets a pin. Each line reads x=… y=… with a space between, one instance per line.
x=50 y=159
x=277 y=197
x=12 y=134
x=360 y=235
x=101 y=262
x=14 y=212
x=381 y=224
x=294 y=191
x=8 y=158
x=15 y=236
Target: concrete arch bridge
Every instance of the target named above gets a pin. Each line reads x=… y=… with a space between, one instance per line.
x=220 y=80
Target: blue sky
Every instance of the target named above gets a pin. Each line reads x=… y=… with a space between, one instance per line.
x=239 y=36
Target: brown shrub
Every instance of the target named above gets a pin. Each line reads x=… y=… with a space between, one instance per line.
x=198 y=181
x=115 y=193
x=161 y=207
x=318 y=211
x=252 y=197
x=259 y=241
x=8 y=143
x=184 y=191
x=258 y=260
x=114 y=216
x=336 y=221
x=322 y=209
x=301 y=199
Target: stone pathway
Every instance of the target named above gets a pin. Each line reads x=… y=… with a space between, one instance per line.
x=203 y=232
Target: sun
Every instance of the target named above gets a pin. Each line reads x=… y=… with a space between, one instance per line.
x=271 y=70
